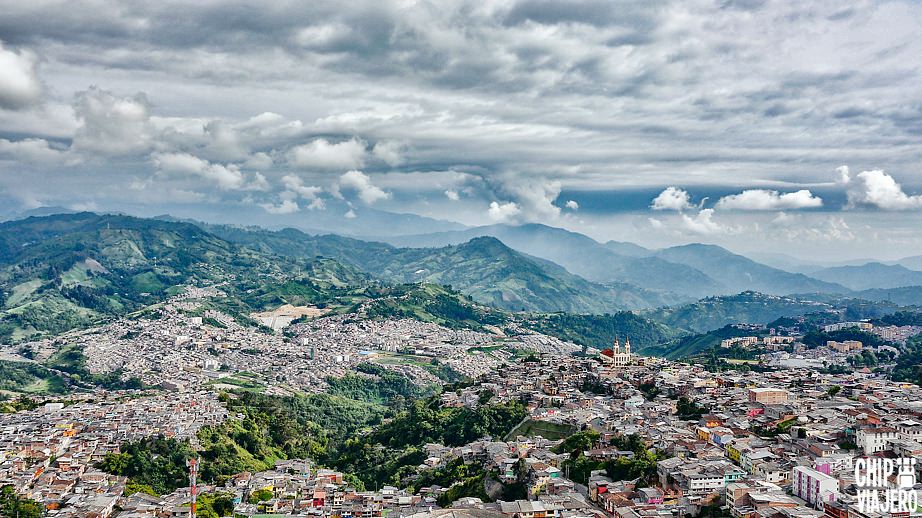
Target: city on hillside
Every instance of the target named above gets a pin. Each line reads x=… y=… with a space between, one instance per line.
x=460 y=259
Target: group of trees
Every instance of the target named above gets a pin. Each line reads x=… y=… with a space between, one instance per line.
x=379 y=385
x=13 y=505
x=909 y=363
x=641 y=465
x=689 y=410
x=272 y=428
x=23 y=376
x=600 y=331
x=154 y=465
x=390 y=453
x=70 y=359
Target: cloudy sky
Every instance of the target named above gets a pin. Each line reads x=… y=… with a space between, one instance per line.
x=791 y=127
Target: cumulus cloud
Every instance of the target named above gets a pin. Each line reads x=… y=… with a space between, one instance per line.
x=295 y=186
x=703 y=223
x=20 y=86
x=452 y=195
x=258 y=161
x=762 y=199
x=33 y=150
x=323 y=154
x=875 y=188
x=284 y=207
x=534 y=197
x=503 y=212
x=794 y=228
x=361 y=184
x=672 y=198
x=389 y=151
x=572 y=205
x=110 y=124
x=225 y=177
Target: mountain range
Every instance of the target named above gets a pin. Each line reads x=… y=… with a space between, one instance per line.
x=62 y=270
x=693 y=270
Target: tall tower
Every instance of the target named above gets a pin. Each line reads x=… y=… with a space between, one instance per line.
x=616 y=347
x=627 y=346
x=193 y=490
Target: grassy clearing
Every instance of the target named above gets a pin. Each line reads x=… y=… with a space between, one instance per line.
x=21 y=291
x=546 y=429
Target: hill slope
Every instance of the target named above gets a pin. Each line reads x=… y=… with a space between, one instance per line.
x=737 y=273
x=870 y=276
x=582 y=255
x=484 y=268
x=747 y=307
x=71 y=270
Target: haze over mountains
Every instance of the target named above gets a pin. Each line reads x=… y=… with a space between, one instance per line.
x=694 y=270
x=65 y=270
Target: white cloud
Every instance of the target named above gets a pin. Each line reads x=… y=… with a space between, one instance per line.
x=361 y=184
x=110 y=124
x=876 y=188
x=226 y=177
x=534 y=197
x=258 y=183
x=503 y=212
x=703 y=223
x=323 y=154
x=672 y=198
x=350 y=214
x=796 y=229
x=762 y=199
x=258 y=161
x=389 y=151
x=452 y=195
x=295 y=188
x=572 y=205
x=33 y=150
x=295 y=184
x=284 y=207
x=20 y=86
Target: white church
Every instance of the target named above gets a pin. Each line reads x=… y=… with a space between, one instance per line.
x=615 y=357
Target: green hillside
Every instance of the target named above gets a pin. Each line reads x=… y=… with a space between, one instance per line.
x=747 y=307
x=484 y=268
x=66 y=271
x=600 y=331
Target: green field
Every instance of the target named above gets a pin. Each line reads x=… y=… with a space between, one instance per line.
x=241 y=380
x=546 y=429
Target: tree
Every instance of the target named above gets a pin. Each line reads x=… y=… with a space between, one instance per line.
x=261 y=495
x=13 y=505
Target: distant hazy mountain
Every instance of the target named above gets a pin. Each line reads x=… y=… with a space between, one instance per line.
x=737 y=273
x=913 y=263
x=612 y=262
x=628 y=249
x=903 y=296
x=41 y=211
x=871 y=276
x=799 y=265
x=484 y=268
x=491 y=272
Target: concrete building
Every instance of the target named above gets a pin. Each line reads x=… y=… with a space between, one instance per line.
x=768 y=396
x=813 y=486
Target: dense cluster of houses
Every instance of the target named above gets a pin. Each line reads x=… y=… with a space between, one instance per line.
x=774 y=443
